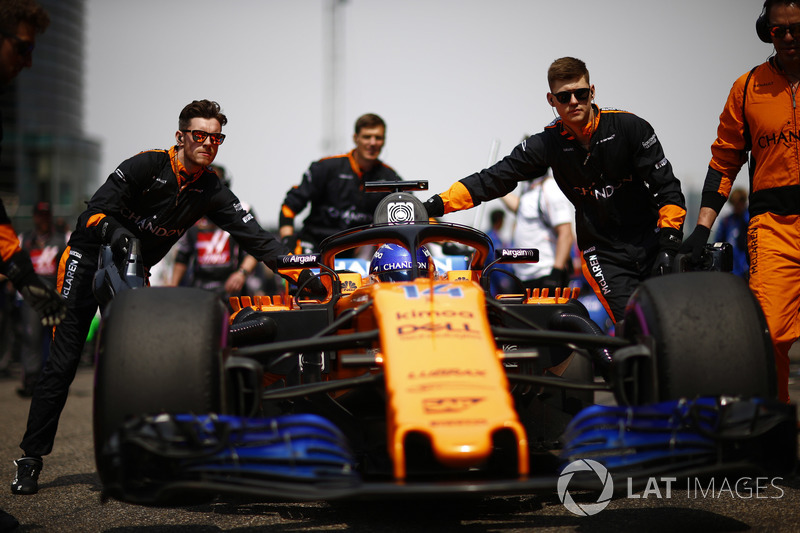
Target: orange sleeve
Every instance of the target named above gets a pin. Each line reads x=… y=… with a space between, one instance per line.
x=9 y=243
x=671 y=216
x=456 y=198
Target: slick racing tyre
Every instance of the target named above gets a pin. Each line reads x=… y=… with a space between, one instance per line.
x=160 y=351
x=708 y=336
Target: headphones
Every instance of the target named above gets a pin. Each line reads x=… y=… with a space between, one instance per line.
x=762 y=25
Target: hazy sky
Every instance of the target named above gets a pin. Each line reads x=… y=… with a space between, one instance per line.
x=450 y=77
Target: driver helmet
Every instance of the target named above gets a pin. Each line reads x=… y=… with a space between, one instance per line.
x=392 y=262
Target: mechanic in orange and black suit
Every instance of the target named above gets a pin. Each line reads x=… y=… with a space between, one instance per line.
x=154 y=197
x=20 y=21
x=612 y=168
x=761 y=117
x=335 y=188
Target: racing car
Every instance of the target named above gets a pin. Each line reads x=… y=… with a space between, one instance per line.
x=427 y=383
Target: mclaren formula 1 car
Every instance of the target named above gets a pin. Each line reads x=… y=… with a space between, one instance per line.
x=413 y=379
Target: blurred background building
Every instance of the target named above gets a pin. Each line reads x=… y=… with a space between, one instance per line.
x=46 y=156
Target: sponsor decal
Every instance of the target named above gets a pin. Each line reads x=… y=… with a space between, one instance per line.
x=447 y=328
x=69 y=276
x=611 y=138
x=467 y=422
x=119 y=173
x=662 y=163
x=448 y=372
x=413 y=292
x=237 y=207
x=752 y=248
x=247 y=218
x=785 y=138
x=298 y=260
x=597 y=273
x=650 y=142
x=348 y=287
x=148 y=224
x=448 y=405
x=45 y=260
x=520 y=253
x=606 y=191
x=433 y=313
x=350 y=216
x=400 y=212
x=345 y=176
x=213 y=248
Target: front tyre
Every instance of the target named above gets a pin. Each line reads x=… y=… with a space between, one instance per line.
x=159 y=351
x=708 y=335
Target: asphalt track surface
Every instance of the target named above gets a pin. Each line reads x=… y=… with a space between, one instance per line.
x=69 y=498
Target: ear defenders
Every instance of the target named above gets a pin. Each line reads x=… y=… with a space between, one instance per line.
x=762 y=25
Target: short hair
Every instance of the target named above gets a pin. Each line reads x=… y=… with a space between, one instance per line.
x=769 y=3
x=12 y=12
x=737 y=195
x=369 y=120
x=496 y=216
x=201 y=109
x=566 y=68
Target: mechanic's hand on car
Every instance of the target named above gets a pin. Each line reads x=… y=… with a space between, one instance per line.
x=434 y=206
x=42 y=298
x=313 y=289
x=121 y=242
x=669 y=242
x=695 y=244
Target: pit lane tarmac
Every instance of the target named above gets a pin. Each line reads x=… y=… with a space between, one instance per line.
x=69 y=497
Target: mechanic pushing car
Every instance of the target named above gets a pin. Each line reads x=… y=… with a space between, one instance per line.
x=154 y=197
x=335 y=188
x=760 y=117
x=611 y=166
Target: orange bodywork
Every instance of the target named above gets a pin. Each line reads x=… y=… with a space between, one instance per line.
x=443 y=372
x=444 y=377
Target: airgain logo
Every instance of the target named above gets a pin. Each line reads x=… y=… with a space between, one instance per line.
x=585 y=509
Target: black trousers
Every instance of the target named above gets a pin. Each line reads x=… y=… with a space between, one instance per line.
x=76 y=272
x=614 y=273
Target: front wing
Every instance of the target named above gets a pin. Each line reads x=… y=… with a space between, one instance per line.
x=175 y=459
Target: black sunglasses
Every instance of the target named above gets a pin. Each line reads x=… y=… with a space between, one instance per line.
x=564 y=97
x=22 y=47
x=200 y=136
x=778 y=31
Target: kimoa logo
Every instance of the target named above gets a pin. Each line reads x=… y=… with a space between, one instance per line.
x=585 y=509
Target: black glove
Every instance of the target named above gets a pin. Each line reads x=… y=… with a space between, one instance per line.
x=669 y=242
x=290 y=243
x=434 y=206
x=314 y=288
x=121 y=242
x=557 y=278
x=42 y=298
x=117 y=236
x=696 y=243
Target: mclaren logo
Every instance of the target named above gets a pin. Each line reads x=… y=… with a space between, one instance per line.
x=448 y=405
